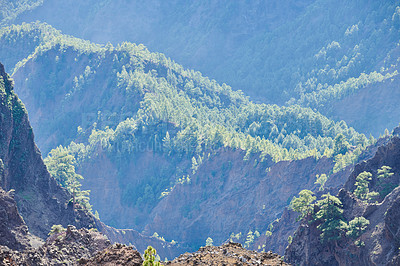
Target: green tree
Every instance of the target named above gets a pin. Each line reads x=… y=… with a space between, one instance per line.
x=303 y=204
x=356 y=227
x=362 y=183
x=384 y=172
x=290 y=239
x=56 y=229
x=385 y=186
x=321 y=180
x=150 y=255
x=331 y=216
x=60 y=164
x=249 y=239
x=209 y=242
x=341 y=146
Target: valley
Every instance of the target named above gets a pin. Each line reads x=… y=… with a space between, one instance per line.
x=151 y=151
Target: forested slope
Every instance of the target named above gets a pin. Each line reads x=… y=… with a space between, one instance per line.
x=321 y=53
x=138 y=126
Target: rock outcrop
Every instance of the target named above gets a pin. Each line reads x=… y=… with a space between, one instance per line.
x=14 y=233
x=65 y=248
x=116 y=254
x=227 y=254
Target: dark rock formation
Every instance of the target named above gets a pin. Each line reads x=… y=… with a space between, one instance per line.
x=139 y=241
x=286 y=225
x=13 y=230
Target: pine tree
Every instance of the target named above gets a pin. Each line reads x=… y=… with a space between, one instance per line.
x=150 y=255
x=341 y=145
x=321 y=180
x=384 y=172
x=209 y=242
x=302 y=204
x=356 y=227
x=362 y=190
x=330 y=214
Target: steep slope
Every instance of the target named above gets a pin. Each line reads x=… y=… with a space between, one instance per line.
x=243 y=43
x=41 y=201
x=379 y=244
x=14 y=232
x=284 y=227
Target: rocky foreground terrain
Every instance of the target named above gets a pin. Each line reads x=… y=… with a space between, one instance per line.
x=89 y=247
x=227 y=254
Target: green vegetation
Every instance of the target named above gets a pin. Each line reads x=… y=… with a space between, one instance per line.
x=11 y=9
x=308 y=52
x=209 y=242
x=331 y=216
x=385 y=186
x=321 y=180
x=356 y=228
x=249 y=239
x=150 y=257
x=384 y=172
x=175 y=112
x=290 y=239
x=341 y=146
x=303 y=204
x=362 y=189
x=56 y=229
x=60 y=165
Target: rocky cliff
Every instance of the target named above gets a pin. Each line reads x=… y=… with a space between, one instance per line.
x=41 y=201
x=381 y=237
x=13 y=230
x=287 y=223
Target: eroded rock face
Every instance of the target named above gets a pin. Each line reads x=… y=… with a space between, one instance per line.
x=40 y=200
x=381 y=239
x=13 y=230
x=227 y=254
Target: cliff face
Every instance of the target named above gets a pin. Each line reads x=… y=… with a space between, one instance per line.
x=381 y=237
x=230 y=195
x=13 y=230
x=40 y=200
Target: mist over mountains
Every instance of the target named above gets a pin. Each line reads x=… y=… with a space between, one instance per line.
x=194 y=120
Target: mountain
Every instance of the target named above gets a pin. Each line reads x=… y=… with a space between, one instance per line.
x=140 y=141
x=140 y=128
x=277 y=52
x=371 y=236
